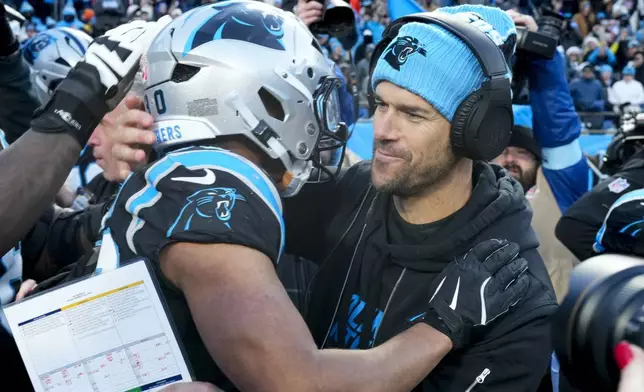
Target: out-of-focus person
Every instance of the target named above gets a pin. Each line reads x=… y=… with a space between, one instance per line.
x=628 y=90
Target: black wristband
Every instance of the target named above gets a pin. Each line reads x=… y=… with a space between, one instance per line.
x=442 y=318
x=77 y=106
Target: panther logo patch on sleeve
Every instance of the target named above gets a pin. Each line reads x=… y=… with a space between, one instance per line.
x=207 y=204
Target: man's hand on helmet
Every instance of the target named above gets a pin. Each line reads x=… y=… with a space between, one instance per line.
x=99 y=82
x=309 y=11
x=116 y=55
x=132 y=137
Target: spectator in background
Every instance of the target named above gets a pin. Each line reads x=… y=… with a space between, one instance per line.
x=27 y=10
x=587 y=96
x=175 y=13
x=69 y=17
x=88 y=17
x=637 y=62
x=590 y=44
x=628 y=90
x=607 y=80
x=569 y=35
x=31 y=30
x=338 y=54
x=585 y=18
x=573 y=60
x=363 y=80
x=602 y=56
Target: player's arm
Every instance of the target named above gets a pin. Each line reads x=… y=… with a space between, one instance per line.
x=41 y=159
x=38 y=165
x=255 y=334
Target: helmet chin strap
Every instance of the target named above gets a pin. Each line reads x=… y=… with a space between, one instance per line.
x=297 y=171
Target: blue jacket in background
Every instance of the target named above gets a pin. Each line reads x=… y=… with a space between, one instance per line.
x=557 y=129
x=587 y=94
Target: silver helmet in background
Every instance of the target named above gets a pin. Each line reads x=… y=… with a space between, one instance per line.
x=245 y=68
x=51 y=55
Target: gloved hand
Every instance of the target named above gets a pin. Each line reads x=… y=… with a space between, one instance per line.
x=99 y=82
x=475 y=289
x=8 y=42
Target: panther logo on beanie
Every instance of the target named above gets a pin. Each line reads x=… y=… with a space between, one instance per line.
x=446 y=71
x=403 y=47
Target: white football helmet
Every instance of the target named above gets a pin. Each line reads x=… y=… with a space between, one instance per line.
x=246 y=68
x=51 y=55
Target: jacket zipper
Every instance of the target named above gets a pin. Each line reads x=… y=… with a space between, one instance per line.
x=479 y=379
x=344 y=285
x=387 y=305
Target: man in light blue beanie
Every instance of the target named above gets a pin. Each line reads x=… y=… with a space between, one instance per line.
x=432 y=210
x=432 y=67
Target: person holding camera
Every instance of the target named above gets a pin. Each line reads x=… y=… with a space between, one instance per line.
x=544 y=154
x=311 y=12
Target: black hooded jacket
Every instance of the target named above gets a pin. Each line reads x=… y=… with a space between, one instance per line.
x=375 y=275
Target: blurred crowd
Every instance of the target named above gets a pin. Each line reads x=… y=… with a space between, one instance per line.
x=603 y=44
x=602 y=40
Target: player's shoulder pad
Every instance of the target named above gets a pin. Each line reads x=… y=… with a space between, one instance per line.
x=192 y=190
x=201 y=168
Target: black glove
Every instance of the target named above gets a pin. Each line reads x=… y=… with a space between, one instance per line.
x=99 y=82
x=475 y=289
x=8 y=42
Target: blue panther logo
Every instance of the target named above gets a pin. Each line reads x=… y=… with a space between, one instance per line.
x=243 y=22
x=206 y=204
x=403 y=47
x=34 y=46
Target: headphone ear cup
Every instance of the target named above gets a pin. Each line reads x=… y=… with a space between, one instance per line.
x=460 y=124
x=482 y=127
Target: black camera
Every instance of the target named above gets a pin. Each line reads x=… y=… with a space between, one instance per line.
x=604 y=306
x=544 y=41
x=337 y=20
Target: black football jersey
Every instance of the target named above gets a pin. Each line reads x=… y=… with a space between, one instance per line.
x=198 y=194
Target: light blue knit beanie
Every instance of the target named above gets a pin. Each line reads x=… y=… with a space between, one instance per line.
x=434 y=64
x=522 y=115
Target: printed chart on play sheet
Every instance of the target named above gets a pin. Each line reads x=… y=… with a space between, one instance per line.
x=108 y=333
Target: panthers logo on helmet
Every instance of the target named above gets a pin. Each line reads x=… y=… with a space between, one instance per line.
x=399 y=50
x=206 y=204
x=36 y=45
x=243 y=22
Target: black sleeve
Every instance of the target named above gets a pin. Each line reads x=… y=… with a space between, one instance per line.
x=60 y=239
x=578 y=227
x=18 y=105
x=577 y=235
x=515 y=361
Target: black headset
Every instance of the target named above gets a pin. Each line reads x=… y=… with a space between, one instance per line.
x=483 y=122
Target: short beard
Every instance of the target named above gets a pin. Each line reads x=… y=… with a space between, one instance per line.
x=527 y=179
x=412 y=180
